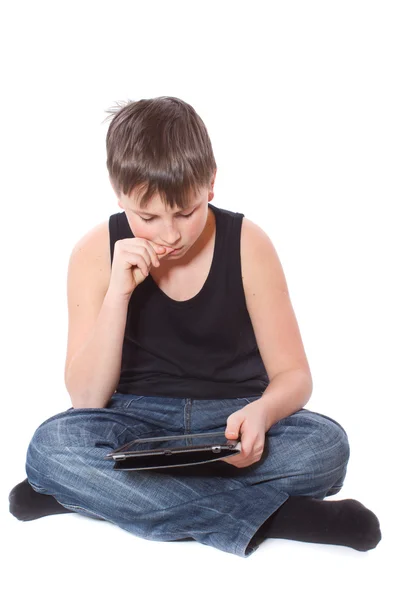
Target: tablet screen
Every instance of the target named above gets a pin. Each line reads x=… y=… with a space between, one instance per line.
x=176 y=443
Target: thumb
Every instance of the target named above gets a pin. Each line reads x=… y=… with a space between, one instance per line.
x=232 y=428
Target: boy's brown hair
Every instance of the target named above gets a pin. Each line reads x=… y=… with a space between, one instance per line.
x=159 y=145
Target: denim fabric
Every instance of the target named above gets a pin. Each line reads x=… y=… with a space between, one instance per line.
x=217 y=504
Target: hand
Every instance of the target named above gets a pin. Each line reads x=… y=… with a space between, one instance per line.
x=250 y=423
x=133 y=259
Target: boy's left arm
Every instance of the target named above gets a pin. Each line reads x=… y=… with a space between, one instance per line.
x=279 y=342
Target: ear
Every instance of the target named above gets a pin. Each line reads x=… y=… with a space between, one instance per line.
x=211 y=192
x=213 y=180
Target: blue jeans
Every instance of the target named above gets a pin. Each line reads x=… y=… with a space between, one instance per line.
x=216 y=504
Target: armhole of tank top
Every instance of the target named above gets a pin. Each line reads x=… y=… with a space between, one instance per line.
x=119 y=229
x=113 y=234
x=238 y=277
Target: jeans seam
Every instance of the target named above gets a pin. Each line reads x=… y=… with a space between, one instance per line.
x=76 y=507
x=38 y=489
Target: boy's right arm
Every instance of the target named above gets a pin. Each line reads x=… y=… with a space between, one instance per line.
x=97 y=320
x=94 y=371
x=98 y=299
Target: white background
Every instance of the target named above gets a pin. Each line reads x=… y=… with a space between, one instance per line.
x=301 y=101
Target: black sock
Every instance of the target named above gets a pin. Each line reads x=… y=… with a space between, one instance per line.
x=26 y=504
x=306 y=519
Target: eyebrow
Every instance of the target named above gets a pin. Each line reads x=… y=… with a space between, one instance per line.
x=176 y=212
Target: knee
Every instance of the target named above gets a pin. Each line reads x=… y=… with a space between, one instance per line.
x=329 y=443
x=311 y=451
x=48 y=434
x=47 y=440
x=67 y=428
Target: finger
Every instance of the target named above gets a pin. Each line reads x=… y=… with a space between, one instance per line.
x=138 y=260
x=240 y=460
x=143 y=262
x=229 y=462
x=162 y=252
x=158 y=249
x=153 y=254
x=143 y=266
x=237 y=464
x=139 y=255
x=234 y=460
x=167 y=251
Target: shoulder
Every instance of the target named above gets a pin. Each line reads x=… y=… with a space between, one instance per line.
x=269 y=305
x=92 y=251
x=259 y=256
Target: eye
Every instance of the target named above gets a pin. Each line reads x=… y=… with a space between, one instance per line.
x=152 y=218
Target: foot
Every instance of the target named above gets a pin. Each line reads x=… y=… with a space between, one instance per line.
x=339 y=522
x=26 y=504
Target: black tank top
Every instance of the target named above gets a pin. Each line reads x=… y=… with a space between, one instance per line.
x=201 y=348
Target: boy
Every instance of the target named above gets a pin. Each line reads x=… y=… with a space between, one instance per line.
x=180 y=321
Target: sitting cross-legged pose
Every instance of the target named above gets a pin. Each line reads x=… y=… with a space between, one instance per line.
x=180 y=321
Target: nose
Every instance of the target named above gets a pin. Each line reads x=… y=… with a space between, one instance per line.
x=172 y=238
x=171 y=244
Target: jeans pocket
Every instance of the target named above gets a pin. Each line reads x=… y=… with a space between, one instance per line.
x=119 y=400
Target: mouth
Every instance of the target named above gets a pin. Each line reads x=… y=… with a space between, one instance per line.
x=176 y=250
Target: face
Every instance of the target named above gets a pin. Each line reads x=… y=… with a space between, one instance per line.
x=173 y=228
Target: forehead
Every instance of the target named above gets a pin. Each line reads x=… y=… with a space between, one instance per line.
x=156 y=206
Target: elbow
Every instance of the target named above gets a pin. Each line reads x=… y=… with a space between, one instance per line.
x=79 y=403
x=87 y=400
x=308 y=386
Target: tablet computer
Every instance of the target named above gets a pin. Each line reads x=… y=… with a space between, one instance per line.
x=173 y=451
